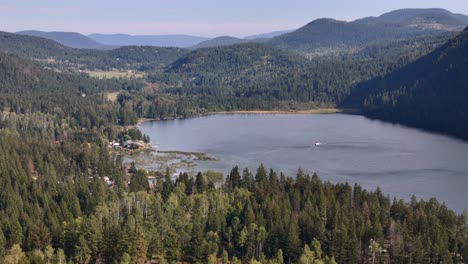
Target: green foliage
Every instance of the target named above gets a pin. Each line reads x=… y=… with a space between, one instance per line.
x=139 y=181
x=26 y=87
x=142 y=58
x=429 y=93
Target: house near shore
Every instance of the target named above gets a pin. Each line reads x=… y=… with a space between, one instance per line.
x=133 y=144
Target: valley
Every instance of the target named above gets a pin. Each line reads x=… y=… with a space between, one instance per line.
x=332 y=142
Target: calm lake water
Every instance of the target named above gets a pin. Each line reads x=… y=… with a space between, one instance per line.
x=401 y=160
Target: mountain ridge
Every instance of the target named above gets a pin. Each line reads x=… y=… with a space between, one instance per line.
x=174 y=40
x=69 y=39
x=220 y=42
x=327 y=33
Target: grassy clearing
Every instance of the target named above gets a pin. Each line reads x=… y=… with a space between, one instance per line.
x=112 y=96
x=114 y=74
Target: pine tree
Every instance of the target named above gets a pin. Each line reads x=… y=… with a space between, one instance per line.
x=82 y=253
x=200 y=183
x=15 y=256
x=292 y=244
x=168 y=186
x=141 y=246
x=2 y=244
x=234 y=179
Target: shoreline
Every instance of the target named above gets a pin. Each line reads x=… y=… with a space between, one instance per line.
x=285 y=112
x=350 y=111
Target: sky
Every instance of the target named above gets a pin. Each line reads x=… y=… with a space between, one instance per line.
x=208 y=18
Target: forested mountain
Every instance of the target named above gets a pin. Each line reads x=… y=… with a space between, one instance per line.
x=427 y=18
x=57 y=56
x=244 y=71
x=69 y=39
x=256 y=76
x=30 y=46
x=397 y=25
x=219 y=42
x=180 y=41
x=430 y=93
x=330 y=33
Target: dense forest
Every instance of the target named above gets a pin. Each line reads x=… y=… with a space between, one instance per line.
x=26 y=87
x=430 y=93
x=330 y=33
x=402 y=24
x=57 y=56
x=262 y=217
x=254 y=76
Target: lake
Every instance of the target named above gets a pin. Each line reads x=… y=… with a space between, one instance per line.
x=402 y=161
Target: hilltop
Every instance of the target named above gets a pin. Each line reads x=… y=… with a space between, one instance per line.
x=396 y=25
x=69 y=39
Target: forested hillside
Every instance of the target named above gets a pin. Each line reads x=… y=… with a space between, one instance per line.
x=255 y=76
x=397 y=25
x=249 y=76
x=219 y=42
x=330 y=33
x=430 y=93
x=57 y=56
x=26 y=88
x=69 y=39
x=29 y=46
x=427 y=18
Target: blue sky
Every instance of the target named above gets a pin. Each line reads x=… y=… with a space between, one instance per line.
x=196 y=17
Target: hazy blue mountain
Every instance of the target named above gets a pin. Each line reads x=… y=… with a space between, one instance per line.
x=180 y=41
x=396 y=25
x=70 y=39
x=220 y=42
x=269 y=35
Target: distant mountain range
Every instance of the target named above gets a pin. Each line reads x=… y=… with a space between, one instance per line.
x=319 y=34
x=70 y=39
x=396 y=25
x=180 y=41
x=228 y=40
x=269 y=35
x=56 y=55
